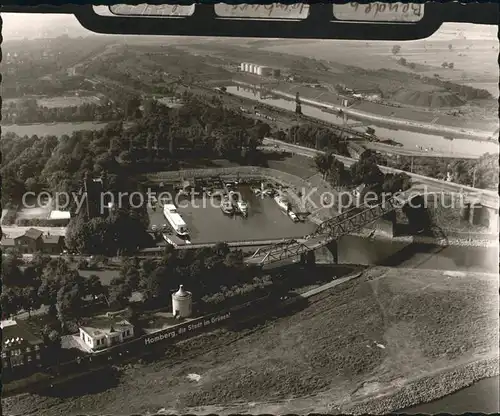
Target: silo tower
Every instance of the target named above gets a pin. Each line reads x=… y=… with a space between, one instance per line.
x=182 y=303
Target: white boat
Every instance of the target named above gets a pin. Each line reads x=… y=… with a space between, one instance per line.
x=293 y=216
x=269 y=192
x=227 y=207
x=282 y=202
x=242 y=207
x=175 y=220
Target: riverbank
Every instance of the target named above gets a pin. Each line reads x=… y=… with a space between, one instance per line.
x=390 y=122
x=425 y=389
x=346 y=347
x=482 y=397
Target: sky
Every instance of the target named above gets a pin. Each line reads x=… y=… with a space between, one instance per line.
x=18 y=26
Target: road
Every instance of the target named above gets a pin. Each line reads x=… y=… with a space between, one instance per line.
x=388 y=149
x=485 y=197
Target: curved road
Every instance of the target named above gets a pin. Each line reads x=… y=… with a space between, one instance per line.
x=487 y=198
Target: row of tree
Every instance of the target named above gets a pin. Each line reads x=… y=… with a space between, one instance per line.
x=314 y=136
x=480 y=173
x=365 y=171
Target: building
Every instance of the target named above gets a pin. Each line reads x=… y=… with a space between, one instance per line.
x=59 y=218
x=22 y=351
x=34 y=240
x=260 y=70
x=53 y=244
x=30 y=242
x=103 y=332
x=7 y=243
x=182 y=303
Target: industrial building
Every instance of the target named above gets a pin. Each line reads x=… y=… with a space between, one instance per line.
x=23 y=352
x=263 y=71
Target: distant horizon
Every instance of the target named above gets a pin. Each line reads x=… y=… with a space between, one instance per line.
x=19 y=26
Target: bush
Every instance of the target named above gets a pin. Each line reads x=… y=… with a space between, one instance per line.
x=82 y=264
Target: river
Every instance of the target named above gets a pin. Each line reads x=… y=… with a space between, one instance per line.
x=481 y=397
x=408 y=139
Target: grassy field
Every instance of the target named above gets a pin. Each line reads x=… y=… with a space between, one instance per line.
x=378 y=332
x=68 y=101
x=53 y=129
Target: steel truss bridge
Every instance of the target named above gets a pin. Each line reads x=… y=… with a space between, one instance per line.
x=326 y=232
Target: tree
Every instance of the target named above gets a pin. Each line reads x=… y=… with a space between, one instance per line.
x=396 y=49
x=336 y=173
x=155 y=284
x=69 y=301
x=29 y=300
x=94 y=286
x=366 y=170
x=450 y=46
x=11 y=272
x=47 y=292
x=323 y=163
x=451 y=65
x=444 y=64
x=119 y=292
x=132 y=107
x=10 y=302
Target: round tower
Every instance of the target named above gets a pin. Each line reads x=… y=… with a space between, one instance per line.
x=182 y=303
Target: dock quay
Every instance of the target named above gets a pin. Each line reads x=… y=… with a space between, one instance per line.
x=152 y=251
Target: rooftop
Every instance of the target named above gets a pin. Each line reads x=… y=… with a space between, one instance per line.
x=51 y=239
x=8 y=242
x=104 y=325
x=18 y=332
x=59 y=215
x=33 y=233
x=13 y=231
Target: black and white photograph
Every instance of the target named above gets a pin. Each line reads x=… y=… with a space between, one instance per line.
x=225 y=225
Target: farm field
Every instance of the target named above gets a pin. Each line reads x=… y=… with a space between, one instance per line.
x=387 y=330
x=60 y=101
x=69 y=101
x=429 y=54
x=51 y=129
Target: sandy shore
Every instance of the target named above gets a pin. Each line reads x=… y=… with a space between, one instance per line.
x=427 y=388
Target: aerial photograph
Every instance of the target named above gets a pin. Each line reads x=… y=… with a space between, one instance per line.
x=238 y=225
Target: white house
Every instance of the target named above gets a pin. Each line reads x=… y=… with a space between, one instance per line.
x=104 y=332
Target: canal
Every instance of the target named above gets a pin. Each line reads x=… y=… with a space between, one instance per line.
x=407 y=138
x=207 y=223
x=266 y=220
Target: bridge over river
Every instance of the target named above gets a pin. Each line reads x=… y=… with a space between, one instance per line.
x=326 y=232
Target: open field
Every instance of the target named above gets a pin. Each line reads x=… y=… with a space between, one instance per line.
x=478 y=44
x=69 y=101
x=52 y=129
x=379 y=333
